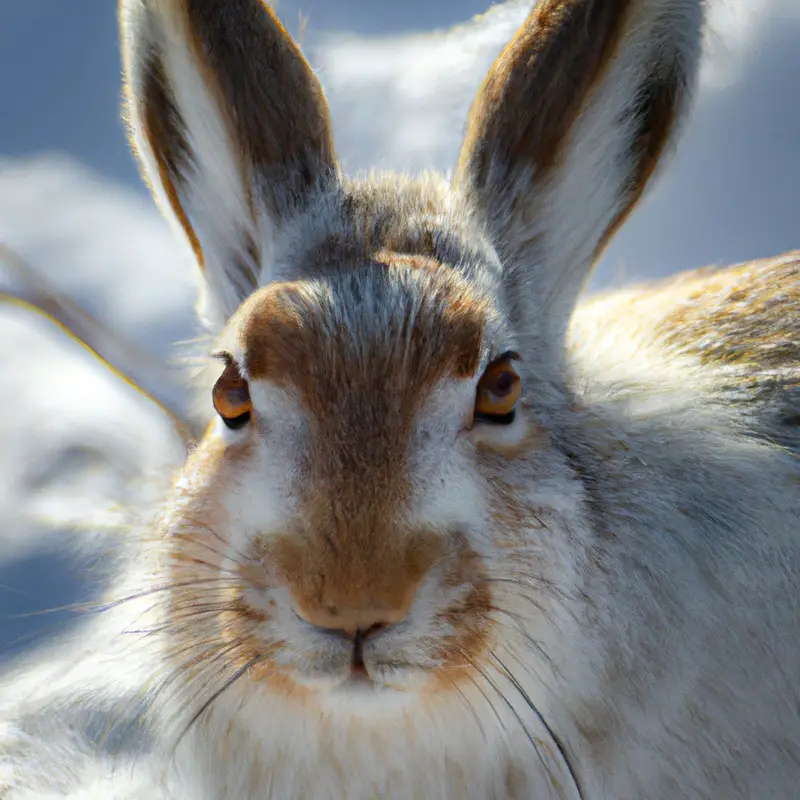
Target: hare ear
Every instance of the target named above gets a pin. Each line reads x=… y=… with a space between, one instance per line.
x=231 y=129
x=566 y=131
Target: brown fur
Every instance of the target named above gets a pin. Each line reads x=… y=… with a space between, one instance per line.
x=469 y=616
x=337 y=565
x=745 y=316
x=283 y=327
x=739 y=324
x=543 y=76
x=357 y=572
x=533 y=97
x=242 y=46
x=164 y=130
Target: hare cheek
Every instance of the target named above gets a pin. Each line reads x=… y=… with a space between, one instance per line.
x=228 y=436
x=449 y=494
x=262 y=500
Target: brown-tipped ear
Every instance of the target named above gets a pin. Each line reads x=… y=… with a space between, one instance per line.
x=566 y=132
x=230 y=126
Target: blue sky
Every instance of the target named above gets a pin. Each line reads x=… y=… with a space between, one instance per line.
x=72 y=204
x=737 y=170
x=59 y=67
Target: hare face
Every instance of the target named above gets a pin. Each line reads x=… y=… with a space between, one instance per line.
x=368 y=517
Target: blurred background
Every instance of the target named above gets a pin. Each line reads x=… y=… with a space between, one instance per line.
x=76 y=441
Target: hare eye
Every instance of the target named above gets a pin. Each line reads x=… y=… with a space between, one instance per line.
x=231 y=397
x=498 y=391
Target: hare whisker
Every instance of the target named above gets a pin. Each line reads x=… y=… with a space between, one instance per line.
x=554 y=737
x=216 y=694
x=517 y=716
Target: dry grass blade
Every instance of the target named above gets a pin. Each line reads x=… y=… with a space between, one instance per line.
x=123 y=358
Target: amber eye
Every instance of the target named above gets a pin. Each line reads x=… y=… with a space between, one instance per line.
x=498 y=391
x=231 y=396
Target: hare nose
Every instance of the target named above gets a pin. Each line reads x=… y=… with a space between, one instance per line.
x=353 y=624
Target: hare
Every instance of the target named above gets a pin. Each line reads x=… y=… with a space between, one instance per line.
x=449 y=533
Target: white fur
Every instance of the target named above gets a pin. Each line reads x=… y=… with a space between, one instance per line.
x=215 y=197
x=576 y=207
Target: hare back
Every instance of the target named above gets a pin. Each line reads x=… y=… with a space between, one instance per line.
x=739 y=324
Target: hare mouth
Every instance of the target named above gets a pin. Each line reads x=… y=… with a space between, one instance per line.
x=359 y=679
x=358 y=676
x=358 y=671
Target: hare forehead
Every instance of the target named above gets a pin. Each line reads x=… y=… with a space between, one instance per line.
x=374 y=340
x=362 y=360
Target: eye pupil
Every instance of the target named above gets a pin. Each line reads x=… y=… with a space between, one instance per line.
x=503 y=384
x=238 y=395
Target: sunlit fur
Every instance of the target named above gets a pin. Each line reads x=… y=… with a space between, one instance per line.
x=595 y=600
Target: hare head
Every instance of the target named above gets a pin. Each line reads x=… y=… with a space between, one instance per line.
x=388 y=506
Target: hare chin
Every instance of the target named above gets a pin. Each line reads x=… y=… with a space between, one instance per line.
x=363 y=698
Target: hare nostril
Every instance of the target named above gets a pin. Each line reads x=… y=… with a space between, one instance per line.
x=348 y=623
x=373 y=630
x=358 y=635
